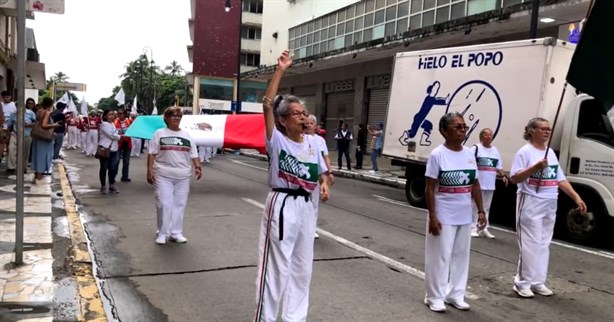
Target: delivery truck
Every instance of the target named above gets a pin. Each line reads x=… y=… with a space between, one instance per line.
x=502 y=86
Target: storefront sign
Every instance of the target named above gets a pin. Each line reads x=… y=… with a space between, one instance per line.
x=340 y=86
x=378 y=82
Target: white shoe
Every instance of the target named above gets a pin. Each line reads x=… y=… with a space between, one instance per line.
x=372 y=171
x=435 y=307
x=316 y=236
x=485 y=233
x=474 y=232
x=525 y=293
x=462 y=305
x=161 y=240
x=542 y=290
x=179 y=239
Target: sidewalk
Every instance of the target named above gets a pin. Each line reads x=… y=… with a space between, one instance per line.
x=387 y=175
x=52 y=284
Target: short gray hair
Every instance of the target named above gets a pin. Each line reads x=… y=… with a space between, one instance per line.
x=313 y=118
x=531 y=126
x=281 y=108
x=445 y=120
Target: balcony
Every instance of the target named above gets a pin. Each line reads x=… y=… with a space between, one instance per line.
x=250 y=45
x=251 y=19
x=190 y=52
x=191 y=26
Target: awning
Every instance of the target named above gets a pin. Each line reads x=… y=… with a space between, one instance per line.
x=35 y=74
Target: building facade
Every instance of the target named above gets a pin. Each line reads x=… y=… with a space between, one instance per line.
x=225 y=43
x=344 y=49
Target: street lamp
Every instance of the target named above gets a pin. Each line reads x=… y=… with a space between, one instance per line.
x=227 y=7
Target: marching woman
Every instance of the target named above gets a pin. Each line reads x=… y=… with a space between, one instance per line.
x=289 y=219
x=108 y=140
x=539 y=181
x=172 y=156
x=451 y=183
x=93 y=124
x=83 y=129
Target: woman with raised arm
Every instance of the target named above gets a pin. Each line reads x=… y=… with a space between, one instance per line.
x=289 y=219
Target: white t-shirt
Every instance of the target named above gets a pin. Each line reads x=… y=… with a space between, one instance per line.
x=489 y=161
x=174 y=152
x=527 y=156
x=8 y=109
x=455 y=173
x=294 y=165
x=323 y=148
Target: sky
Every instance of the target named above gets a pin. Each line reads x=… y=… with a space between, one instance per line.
x=94 y=40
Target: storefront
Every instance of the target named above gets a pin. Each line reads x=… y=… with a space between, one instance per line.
x=378 y=88
x=339 y=107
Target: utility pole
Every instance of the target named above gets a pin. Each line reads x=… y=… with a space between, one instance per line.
x=534 y=19
x=21 y=92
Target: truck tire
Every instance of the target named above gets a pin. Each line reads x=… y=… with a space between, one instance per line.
x=578 y=228
x=415 y=188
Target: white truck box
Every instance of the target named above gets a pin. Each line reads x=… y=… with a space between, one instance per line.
x=499 y=86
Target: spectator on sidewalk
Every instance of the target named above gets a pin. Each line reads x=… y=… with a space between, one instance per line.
x=29 y=120
x=361 y=145
x=42 y=150
x=108 y=139
x=8 y=108
x=59 y=132
x=72 y=133
x=377 y=142
x=344 y=137
x=122 y=122
x=321 y=131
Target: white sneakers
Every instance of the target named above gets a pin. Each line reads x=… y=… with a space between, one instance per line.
x=316 y=236
x=524 y=292
x=482 y=233
x=542 y=290
x=460 y=305
x=161 y=240
x=438 y=307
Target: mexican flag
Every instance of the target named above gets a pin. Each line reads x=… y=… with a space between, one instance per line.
x=240 y=131
x=592 y=66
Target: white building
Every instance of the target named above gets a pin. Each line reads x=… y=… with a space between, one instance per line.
x=344 y=49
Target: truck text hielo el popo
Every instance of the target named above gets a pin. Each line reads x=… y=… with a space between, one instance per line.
x=501 y=86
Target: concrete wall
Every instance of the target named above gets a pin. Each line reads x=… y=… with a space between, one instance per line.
x=279 y=16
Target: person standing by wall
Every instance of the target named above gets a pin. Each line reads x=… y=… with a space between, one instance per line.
x=344 y=137
x=122 y=122
x=29 y=120
x=8 y=108
x=361 y=145
x=59 y=132
x=377 y=142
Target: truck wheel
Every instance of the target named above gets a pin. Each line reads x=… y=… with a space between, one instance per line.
x=583 y=229
x=415 y=191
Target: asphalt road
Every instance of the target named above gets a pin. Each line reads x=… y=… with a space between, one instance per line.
x=368 y=261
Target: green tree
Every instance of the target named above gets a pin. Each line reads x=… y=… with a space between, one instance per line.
x=174 y=69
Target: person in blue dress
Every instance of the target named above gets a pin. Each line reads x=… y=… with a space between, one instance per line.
x=42 y=150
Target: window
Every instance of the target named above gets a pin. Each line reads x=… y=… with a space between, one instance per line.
x=216 y=89
x=379 y=17
x=458 y=11
x=251 y=33
x=594 y=123
x=250 y=59
x=403 y=9
x=416 y=6
x=402 y=25
x=428 y=18
x=254 y=6
x=252 y=91
x=443 y=14
x=428 y=4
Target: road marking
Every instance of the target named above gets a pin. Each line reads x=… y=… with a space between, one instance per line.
x=249 y=165
x=371 y=254
x=562 y=244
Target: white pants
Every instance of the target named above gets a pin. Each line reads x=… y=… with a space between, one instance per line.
x=136 y=147
x=205 y=153
x=486 y=201
x=72 y=141
x=83 y=141
x=12 y=155
x=447 y=263
x=535 y=218
x=171 y=199
x=284 y=266
x=92 y=142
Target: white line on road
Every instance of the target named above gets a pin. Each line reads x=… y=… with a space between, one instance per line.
x=371 y=254
x=565 y=245
x=249 y=165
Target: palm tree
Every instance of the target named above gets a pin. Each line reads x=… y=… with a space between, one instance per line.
x=60 y=77
x=174 y=68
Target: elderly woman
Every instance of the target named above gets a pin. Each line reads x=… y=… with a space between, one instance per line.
x=289 y=218
x=490 y=166
x=171 y=160
x=539 y=180
x=451 y=183
x=108 y=139
x=42 y=150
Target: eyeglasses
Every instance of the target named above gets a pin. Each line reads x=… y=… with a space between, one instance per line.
x=545 y=129
x=174 y=116
x=298 y=113
x=460 y=127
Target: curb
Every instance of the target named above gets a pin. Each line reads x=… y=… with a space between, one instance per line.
x=90 y=302
x=396 y=183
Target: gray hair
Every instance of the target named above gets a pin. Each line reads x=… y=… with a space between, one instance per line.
x=531 y=126
x=445 y=120
x=313 y=118
x=483 y=132
x=281 y=108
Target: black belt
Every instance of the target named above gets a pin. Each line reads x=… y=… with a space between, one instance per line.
x=300 y=192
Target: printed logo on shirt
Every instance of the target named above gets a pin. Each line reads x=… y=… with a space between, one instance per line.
x=173 y=143
x=487 y=164
x=299 y=173
x=548 y=177
x=456 y=181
